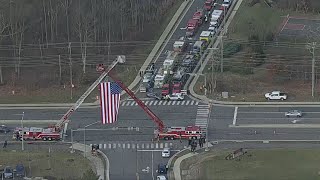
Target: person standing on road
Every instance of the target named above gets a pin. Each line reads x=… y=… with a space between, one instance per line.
x=5 y=144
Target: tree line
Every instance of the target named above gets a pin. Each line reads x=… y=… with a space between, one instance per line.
x=30 y=28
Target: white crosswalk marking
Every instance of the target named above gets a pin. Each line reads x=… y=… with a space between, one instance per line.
x=202 y=116
x=114 y=145
x=158 y=103
x=90 y=145
x=157 y=145
x=142 y=146
x=152 y=146
x=100 y=146
x=133 y=146
x=137 y=146
x=119 y=145
x=147 y=146
x=104 y=146
x=128 y=146
x=109 y=146
x=171 y=144
x=165 y=145
x=161 y=145
x=123 y=146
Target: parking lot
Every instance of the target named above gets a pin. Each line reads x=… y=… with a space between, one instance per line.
x=300 y=27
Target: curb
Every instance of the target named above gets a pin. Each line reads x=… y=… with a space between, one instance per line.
x=105 y=157
x=67 y=105
x=172 y=160
x=159 y=45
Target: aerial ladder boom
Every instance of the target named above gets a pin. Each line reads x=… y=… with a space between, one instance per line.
x=153 y=116
x=66 y=116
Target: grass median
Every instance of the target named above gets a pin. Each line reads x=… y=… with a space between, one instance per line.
x=51 y=165
x=277 y=164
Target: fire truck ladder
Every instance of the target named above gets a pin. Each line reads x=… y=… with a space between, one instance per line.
x=65 y=117
x=153 y=116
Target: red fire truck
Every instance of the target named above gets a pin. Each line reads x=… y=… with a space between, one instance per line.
x=192 y=27
x=192 y=132
x=198 y=15
x=35 y=133
x=189 y=132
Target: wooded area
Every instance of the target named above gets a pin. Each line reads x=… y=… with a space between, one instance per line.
x=42 y=41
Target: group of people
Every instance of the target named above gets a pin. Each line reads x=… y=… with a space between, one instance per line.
x=193 y=143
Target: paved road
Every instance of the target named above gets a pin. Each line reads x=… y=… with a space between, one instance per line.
x=137 y=162
x=279 y=127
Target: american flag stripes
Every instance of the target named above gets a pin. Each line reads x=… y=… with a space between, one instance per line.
x=109 y=101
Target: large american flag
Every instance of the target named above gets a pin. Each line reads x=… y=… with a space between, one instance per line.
x=109 y=101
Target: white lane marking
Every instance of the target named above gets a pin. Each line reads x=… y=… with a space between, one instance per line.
x=264 y=112
x=308 y=126
x=155 y=150
x=235 y=115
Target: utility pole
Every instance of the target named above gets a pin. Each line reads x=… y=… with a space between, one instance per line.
x=311 y=47
x=60 y=70
x=22 y=138
x=70 y=65
x=221 y=43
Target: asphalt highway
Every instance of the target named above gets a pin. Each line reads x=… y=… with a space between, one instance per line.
x=263 y=123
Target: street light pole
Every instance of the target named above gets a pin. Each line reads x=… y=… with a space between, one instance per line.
x=72 y=150
x=84 y=137
x=311 y=47
x=22 y=139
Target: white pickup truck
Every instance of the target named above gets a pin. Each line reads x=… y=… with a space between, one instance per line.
x=276 y=95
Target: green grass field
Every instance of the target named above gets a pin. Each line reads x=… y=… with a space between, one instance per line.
x=60 y=165
x=277 y=164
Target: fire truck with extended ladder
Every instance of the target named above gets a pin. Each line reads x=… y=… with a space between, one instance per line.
x=189 y=132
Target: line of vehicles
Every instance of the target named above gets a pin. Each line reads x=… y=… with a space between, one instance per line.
x=56 y=132
x=171 y=77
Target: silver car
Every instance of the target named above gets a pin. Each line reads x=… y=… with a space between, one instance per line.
x=293 y=113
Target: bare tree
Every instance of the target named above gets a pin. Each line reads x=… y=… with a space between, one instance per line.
x=3 y=26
